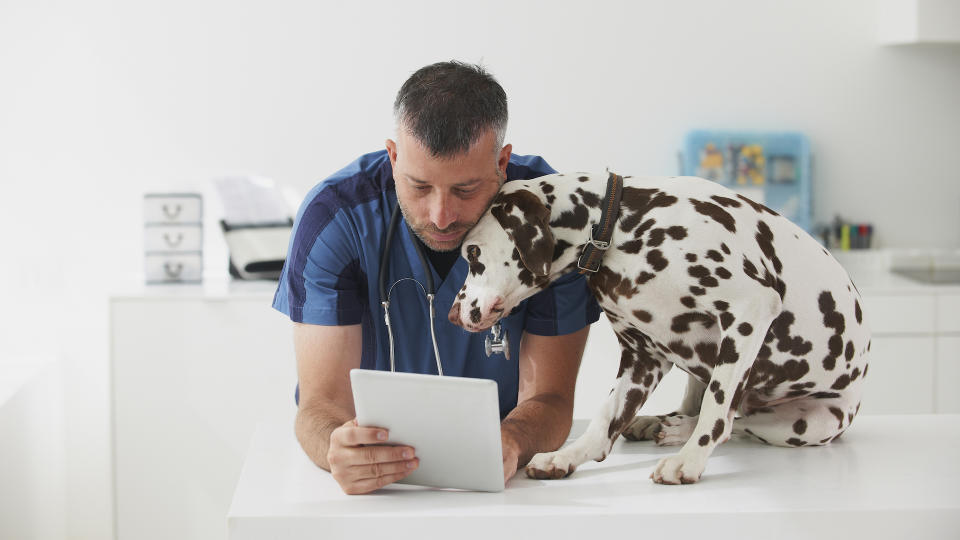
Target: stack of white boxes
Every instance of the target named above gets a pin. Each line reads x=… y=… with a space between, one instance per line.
x=173 y=237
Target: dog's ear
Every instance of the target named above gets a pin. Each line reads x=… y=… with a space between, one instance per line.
x=527 y=222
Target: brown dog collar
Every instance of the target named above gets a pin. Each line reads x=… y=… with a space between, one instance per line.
x=600 y=233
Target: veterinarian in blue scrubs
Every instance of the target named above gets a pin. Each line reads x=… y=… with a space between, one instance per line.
x=446 y=165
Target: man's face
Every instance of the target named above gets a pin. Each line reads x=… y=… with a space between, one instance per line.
x=443 y=198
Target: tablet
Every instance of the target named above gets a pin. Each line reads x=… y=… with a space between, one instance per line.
x=453 y=424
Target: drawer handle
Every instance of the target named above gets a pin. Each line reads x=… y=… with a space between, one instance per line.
x=172 y=214
x=173 y=242
x=173 y=270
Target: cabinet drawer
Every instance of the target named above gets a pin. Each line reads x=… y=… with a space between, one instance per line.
x=173 y=267
x=177 y=238
x=908 y=314
x=948 y=313
x=172 y=208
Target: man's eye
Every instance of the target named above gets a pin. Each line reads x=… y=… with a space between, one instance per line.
x=466 y=192
x=421 y=188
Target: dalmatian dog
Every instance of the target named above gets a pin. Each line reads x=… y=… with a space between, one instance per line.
x=765 y=322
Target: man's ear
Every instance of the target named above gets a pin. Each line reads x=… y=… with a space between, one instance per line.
x=527 y=222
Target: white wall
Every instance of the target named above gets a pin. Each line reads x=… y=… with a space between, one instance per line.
x=102 y=100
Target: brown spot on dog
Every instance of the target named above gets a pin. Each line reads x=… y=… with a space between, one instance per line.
x=721 y=305
x=764 y=239
x=698 y=291
x=723 y=273
x=609 y=283
x=724 y=248
x=656 y=260
x=691 y=257
x=681 y=323
x=849 y=351
x=473 y=254
x=644 y=277
x=643 y=316
x=841 y=382
x=756 y=206
x=726 y=319
x=714 y=255
x=780 y=329
x=704 y=440
x=726 y=202
x=678 y=348
x=856 y=311
x=590 y=199
x=631 y=246
x=728 y=352
x=707 y=353
x=717 y=429
x=656 y=237
x=745 y=329
x=800 y=426
x=637 y=202
x=793 y=441
x=688 y=301
x=838 y=414
x=715 y=213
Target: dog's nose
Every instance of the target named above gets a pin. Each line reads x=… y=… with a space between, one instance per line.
x=454 y=315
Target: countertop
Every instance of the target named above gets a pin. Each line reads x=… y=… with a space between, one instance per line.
x=887 y=477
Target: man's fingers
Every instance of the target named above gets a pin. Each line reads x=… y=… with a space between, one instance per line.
x=373 y=484
x=350 y=435
x=377 y=470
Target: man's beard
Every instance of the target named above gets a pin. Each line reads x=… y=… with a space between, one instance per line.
x=422 y=232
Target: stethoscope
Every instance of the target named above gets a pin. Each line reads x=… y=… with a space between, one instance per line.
x=496 y=343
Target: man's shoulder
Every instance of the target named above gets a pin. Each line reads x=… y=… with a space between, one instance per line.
x=362 y=181
x=525 y=167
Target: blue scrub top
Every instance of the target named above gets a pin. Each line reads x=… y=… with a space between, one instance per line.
x=331 y=278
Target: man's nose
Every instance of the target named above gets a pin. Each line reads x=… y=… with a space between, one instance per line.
x=443 y=211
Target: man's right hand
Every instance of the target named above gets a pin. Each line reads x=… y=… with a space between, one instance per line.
x=361 y=462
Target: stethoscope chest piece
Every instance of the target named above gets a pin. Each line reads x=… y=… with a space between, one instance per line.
x=497 y=342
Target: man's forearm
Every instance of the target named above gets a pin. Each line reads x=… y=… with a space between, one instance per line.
x=313 y=428
x=539 y=424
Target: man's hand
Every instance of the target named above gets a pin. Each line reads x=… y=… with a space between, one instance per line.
x=360 y=461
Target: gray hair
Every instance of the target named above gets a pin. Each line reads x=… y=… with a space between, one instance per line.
x=447 y=106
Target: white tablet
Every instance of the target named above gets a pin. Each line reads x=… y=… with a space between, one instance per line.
x=453 y=424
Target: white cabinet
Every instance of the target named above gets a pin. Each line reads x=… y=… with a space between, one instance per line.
x=948 y=375
x=193 y=373
x=899 y=376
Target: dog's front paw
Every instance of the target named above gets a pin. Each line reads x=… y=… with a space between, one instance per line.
x=550 y=466
x=678 y=470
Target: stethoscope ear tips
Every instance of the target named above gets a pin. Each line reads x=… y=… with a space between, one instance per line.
x=497 y=342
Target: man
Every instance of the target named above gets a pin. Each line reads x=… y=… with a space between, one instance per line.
x=444 y=168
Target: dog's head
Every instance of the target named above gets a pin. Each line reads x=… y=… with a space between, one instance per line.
x=510 y=251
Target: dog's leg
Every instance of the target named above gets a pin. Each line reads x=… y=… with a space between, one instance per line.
x=668 y=429
x=641 y=368
x=741 y=336
x=804 y=422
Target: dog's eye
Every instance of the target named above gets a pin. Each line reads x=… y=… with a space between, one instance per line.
x=473 y=251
